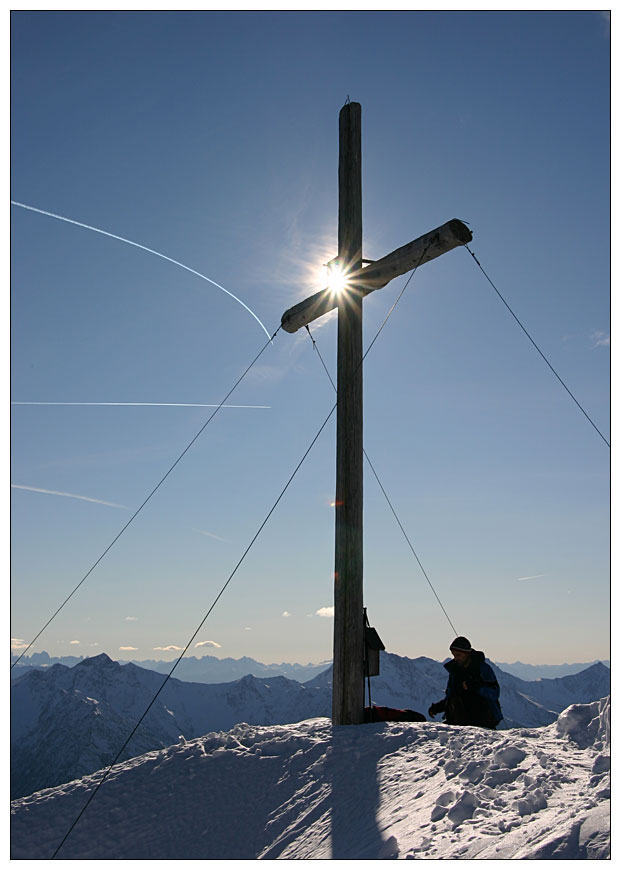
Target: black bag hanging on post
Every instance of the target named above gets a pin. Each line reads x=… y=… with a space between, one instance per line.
x=372 y=647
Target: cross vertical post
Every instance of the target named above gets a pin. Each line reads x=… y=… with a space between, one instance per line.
x=348 y=669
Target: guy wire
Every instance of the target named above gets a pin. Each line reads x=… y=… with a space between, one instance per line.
x=532 y=341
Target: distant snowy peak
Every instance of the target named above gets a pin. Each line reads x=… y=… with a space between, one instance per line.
x=536 y=672
x=101 y=660
x=43 y=659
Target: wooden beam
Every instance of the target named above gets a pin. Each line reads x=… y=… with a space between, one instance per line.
x=450 y=235
x=348 y=661
x=310 y=309
x=433 y=244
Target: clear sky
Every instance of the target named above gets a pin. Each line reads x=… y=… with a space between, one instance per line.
x=212 y=138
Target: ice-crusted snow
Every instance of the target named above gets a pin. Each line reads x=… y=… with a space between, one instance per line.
x=307 y=790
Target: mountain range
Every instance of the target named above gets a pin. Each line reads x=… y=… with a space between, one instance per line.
x=537 y=672
x=67 y=722
x=210 y=669
x=206 y=669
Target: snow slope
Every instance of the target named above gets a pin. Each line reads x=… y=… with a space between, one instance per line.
x=306 y=790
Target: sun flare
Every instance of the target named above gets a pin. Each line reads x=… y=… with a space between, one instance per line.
x=337 y=279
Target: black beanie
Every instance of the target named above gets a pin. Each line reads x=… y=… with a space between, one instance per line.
x=462 y=644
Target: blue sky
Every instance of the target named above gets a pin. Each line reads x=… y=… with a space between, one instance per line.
x=212 y=138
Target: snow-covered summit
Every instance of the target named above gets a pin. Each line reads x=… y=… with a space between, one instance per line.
x=102 y=660
x=307 y=790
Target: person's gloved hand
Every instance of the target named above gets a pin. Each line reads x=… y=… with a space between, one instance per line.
x=434 y=709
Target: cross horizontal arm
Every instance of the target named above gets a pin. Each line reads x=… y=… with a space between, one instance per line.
x=428 y=247
x=433 y=244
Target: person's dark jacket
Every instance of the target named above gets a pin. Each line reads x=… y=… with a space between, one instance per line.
x=477 y=704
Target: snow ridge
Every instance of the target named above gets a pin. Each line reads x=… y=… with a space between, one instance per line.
x=307 y=790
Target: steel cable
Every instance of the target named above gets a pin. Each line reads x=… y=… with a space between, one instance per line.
x=534 y=344
x=375 y=474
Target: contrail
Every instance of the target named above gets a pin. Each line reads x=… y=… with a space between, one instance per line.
x=70 y=495
x=143 y=248
x=144 y=404
x=211 y=535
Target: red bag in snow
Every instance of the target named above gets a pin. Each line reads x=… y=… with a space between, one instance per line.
x=390 y=714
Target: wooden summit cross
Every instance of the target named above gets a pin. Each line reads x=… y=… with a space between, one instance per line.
x=348 y=675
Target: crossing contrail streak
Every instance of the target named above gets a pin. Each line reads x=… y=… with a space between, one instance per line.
x=59 y=217
x=69 y=495
x=144 y=404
